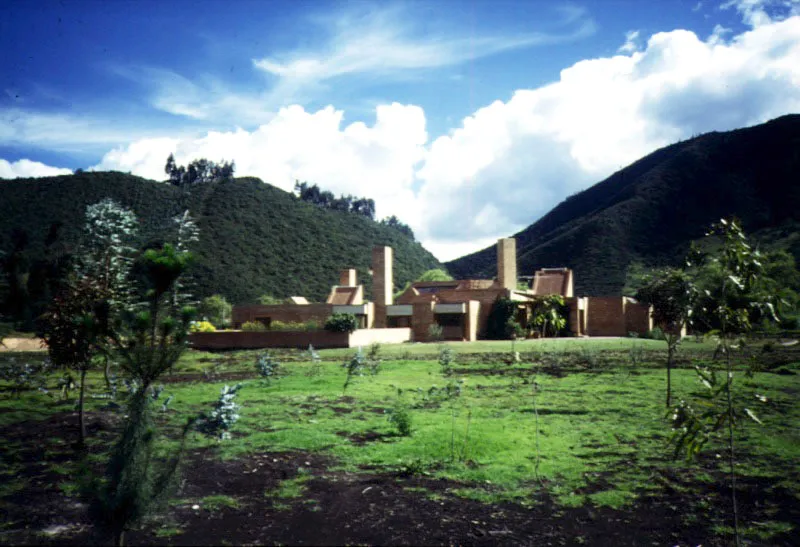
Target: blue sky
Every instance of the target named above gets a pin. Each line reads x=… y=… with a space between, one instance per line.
x=468 y=120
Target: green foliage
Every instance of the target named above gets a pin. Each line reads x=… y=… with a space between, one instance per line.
x=341 y=322
x=345 y=203
x=400 y=417
x=446 y=361
x=269 y=300
x=267 y=367
x=136 y=481
x=672 y=294
x=254 y=238
x=309 y=325
x=202 y=326
x=435 y=332
x=216 y=310
x=548 y=315
x=254 y=326
x=23 y=376
x=223 y=416
x=436 y=274
x=501 y=324
x=200 y=171
x=656 y=333
x=107 y=247
x=359 y=365
x=395 y=223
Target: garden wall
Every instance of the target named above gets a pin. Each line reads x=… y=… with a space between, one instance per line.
x=296 y=339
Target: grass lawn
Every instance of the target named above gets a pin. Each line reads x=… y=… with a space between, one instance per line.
x=576 y=425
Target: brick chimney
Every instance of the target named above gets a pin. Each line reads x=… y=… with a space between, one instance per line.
x=507 y=263
x=382 y=283
x=347 y=278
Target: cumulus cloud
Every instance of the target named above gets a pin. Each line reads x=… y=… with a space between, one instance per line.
x=27 y=168
x=511 y=161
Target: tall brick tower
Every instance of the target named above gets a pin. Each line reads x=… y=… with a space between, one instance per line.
x=507 y=263
x=382 y=283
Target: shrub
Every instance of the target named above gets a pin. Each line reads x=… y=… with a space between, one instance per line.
x=254 y=326
x=435 y=332
x=219 y=421
x=23 y=376
x=269 y=300
x=514 y=330
x=656 y=333
x=202 y=326
x=216 y=310
x=446 y=360
x=267 y=367
x=497 y=325
x=400 y=418
x=341 y=322
x=294 y=325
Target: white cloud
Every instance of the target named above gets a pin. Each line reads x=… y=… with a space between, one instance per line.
x=386 y=42
x=755 y=13
x=26 y=168
x=382 y=42
x=630 y=44
x=512 y=161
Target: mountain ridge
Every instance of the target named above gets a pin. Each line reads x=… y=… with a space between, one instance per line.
x=650 y=210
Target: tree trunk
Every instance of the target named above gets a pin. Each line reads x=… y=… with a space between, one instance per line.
x=107 y=372
x=731 y=448
x=81 y=421
x=670 y=357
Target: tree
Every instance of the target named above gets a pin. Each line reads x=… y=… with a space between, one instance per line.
x=105 y=256
x=186 y=235
x=149 y=340
x=731 y=299
x=199 y=171
x=73 y=328
x=394 y=222
x=671 y=293
x=216 y=310
x=437 y=274
x=546 y=314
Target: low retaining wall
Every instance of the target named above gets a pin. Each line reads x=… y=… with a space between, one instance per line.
x=296 y=339
x=365 y=337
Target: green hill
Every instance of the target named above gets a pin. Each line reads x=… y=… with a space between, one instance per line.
x=651 y=210
x=255 y=238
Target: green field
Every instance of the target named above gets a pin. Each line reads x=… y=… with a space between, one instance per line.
x=601 y=439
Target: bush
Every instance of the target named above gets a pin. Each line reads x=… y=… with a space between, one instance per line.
x=341 y=322
x=514 y=330
x=216 y=310
x=294 y=325
x=254 y=326
x=267 y=367
x=435 y=332
x=656 y=333
x=202 y=326
x=225 y=413
x=400 y=418
x=497 y=325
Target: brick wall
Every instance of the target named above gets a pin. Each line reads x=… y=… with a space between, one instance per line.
x=605 y=316
x=638 y=318
x=421 y=319
x=281 y=312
